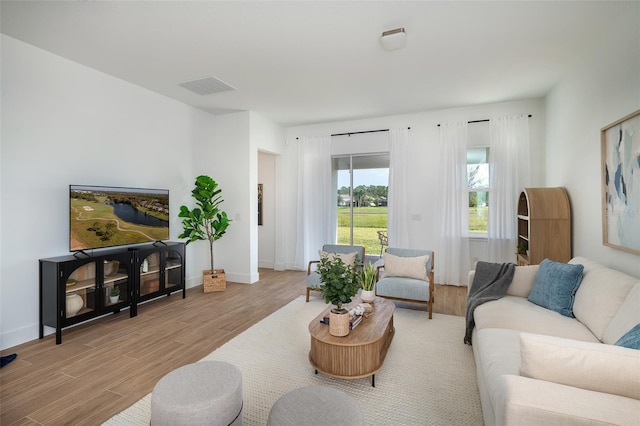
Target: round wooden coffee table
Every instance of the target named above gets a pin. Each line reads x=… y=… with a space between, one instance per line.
x=359 y=354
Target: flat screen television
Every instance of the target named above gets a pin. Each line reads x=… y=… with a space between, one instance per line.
x=104 y=216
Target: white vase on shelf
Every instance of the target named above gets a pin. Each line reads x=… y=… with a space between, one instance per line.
x=73 y=304
x=145 y=265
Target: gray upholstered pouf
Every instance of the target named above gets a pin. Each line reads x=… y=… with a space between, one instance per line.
x=207 y=392
x=315 y=405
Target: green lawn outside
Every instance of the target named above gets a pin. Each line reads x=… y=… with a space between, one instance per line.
x=367 y=222
x=478 y=219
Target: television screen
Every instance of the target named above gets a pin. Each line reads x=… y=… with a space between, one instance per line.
x=101 y=216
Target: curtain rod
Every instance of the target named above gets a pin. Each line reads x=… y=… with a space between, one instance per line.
x=482 y=121
x=364 y=131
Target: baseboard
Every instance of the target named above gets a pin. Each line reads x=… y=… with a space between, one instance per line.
x=233 y=277
x=279 y=266
x=21 y=335
x=266 y=264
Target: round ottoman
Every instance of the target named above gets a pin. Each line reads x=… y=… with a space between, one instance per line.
x=317 y=405
x=207 y=392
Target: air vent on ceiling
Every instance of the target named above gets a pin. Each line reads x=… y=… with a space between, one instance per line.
x=206 y=86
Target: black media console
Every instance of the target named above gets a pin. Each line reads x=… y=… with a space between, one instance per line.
x=74 y=288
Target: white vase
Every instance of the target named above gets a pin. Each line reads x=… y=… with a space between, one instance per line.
x=368 y=296
x=114 y=299
x=73 y=304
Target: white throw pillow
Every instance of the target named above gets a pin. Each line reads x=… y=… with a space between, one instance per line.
x=408 y=267
x=347 y=258
x=593 y=366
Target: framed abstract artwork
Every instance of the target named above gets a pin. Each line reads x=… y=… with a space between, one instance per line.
x=259 y=204
x=620 y=151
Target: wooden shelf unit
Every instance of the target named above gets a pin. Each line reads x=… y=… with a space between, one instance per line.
x=544 y=224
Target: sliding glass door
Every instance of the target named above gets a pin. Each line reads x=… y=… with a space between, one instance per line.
x=361 y=198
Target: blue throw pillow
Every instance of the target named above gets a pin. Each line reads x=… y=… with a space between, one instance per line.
x=631 y=338
x=556 y=285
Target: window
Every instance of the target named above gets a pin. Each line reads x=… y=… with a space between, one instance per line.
x=362 y=201
x=478 y=185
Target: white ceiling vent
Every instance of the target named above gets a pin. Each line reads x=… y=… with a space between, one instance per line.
x=206 y=86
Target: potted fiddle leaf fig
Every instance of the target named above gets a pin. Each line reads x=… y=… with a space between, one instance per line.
x=206 y=222
x=339 y=283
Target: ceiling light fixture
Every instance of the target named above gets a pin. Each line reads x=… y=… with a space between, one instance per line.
x=394 y=39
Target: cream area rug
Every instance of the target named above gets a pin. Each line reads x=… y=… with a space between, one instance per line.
x=428 y=377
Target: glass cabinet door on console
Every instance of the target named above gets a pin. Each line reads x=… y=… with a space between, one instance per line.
x=173 y=269
x=117 y=290
x=161 y=271
x=80 y=292
x=149 y=275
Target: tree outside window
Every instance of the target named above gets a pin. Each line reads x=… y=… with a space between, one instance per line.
x=478 y=186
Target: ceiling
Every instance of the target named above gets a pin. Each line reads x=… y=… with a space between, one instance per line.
x=304 y=62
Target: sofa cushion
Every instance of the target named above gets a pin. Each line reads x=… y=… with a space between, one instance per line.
x=600 y=296
x=408 y=267
x=527 y=402
x=625 y=318
x=592 y=366
x=523 y=280
x=630 y=339
x=555 y=286
x=498 y=353
x=403 y=288
x=516 y=313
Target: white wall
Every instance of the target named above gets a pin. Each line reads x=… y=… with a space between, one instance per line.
x=62 y=124
x=225 y=157
x=424 y=164
x=603 y=87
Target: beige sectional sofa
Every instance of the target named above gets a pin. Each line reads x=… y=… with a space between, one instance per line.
x=536 y=366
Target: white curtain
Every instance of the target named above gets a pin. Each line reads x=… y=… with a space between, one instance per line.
x=509 y=172
x=452 y=256
x=316 y=225
x=398 y=196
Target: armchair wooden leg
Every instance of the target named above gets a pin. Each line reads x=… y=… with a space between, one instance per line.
x=308 y=290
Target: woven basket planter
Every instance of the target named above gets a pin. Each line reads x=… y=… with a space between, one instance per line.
x=339 y=324
x=215 y=281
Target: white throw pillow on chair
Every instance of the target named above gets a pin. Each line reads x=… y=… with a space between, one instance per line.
x=407 y=267
x=347 y=258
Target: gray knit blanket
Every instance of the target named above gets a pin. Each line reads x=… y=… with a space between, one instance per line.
x=490 y=282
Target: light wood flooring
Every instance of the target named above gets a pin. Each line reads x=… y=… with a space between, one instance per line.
x=104 y=366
